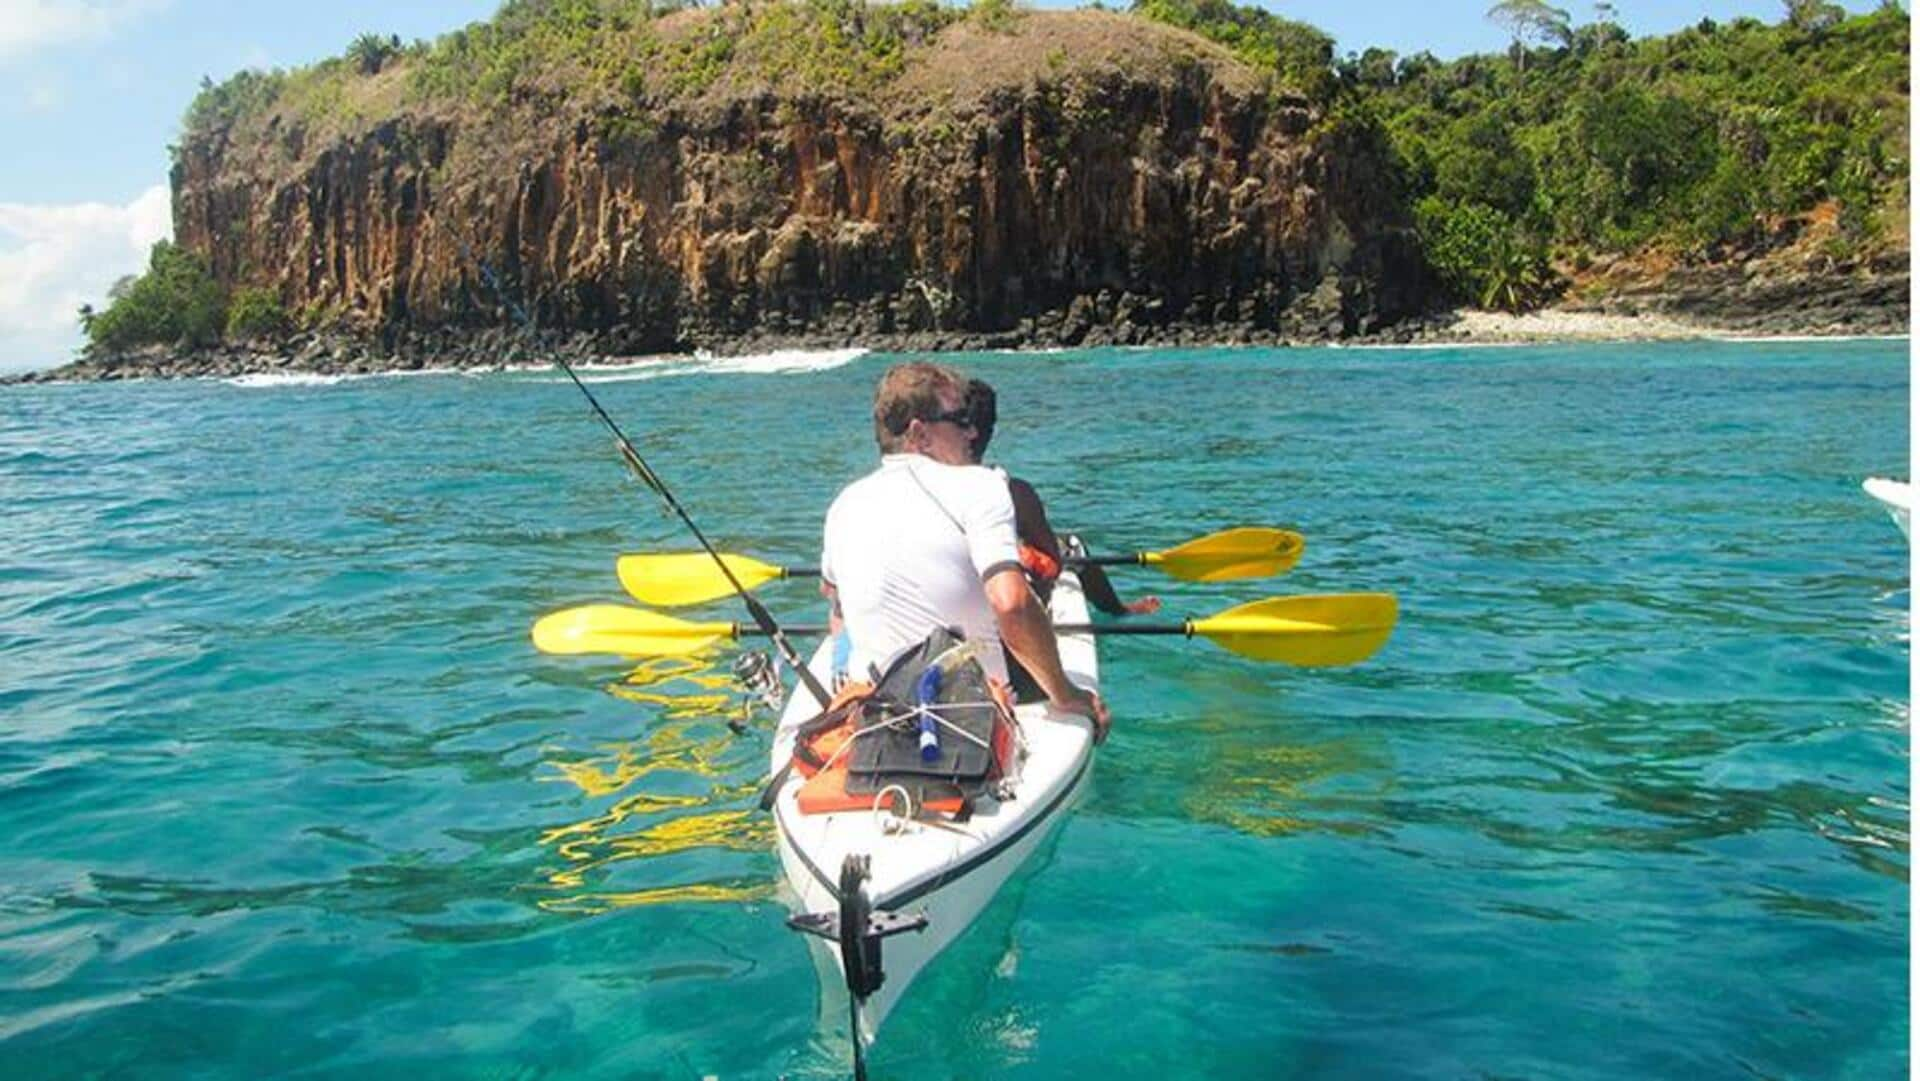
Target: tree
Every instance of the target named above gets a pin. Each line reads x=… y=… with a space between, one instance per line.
x=370 y=52
x=1813 y=16
x=1534 y=19
x=1375 y=68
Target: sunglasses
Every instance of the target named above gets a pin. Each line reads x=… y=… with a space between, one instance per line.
x=958 y=417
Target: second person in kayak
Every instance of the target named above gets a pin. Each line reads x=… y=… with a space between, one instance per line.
x=927 y=540
x=1039 y=548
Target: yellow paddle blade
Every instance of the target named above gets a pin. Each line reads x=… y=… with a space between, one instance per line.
x=1245 y=552
x=689 y=577
x=630 y=632
x=1315 y=631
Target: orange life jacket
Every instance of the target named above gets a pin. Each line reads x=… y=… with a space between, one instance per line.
x=1042 y=566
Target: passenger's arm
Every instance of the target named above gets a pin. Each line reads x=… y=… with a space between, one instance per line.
x=833 y=606
x=1030 y=518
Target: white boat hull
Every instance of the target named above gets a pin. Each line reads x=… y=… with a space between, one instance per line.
x=948 y=872
x=1897 y=497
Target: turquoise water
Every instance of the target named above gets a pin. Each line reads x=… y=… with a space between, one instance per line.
x=284 y=790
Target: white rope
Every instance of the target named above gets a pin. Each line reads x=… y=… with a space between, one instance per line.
x=913 y=713
x=920 y=711
x=846 y=746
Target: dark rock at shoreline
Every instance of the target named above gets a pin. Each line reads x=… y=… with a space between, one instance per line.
x=1760 y=297
x=1730 y=299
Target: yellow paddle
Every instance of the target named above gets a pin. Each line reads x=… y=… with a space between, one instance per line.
x=1310 y=631
x=1242 y=552
x=678 y=579
x=681 y=578
x=631 y=632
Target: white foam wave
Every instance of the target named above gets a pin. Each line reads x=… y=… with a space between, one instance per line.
x=1717 y=339
x=287 y=379
x=1763 y=339
x=260 y=380
x=778 y=362
x=782 y=361
x=1429 y=346
x=623 y=369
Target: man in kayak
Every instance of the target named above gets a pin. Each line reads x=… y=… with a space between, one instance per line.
x=927 y=540
x=1039 y=547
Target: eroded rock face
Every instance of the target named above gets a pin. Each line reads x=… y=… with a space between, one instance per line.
x=1115 y=209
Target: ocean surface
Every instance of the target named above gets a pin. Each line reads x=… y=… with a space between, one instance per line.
x=286 y=792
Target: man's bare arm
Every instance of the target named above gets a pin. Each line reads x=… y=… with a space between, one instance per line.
x=1028 y=633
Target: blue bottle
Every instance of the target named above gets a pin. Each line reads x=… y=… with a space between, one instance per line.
x=928 y=692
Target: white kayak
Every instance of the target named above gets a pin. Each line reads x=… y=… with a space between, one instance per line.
x=1897 y=497
x=942 y=871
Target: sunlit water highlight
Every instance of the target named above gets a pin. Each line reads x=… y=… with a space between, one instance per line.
x=286 y=792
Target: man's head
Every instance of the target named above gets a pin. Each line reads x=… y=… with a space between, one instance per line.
x=921 y=408
x=983 y=408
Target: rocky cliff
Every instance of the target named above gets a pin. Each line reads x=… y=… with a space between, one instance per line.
x=1071 y=178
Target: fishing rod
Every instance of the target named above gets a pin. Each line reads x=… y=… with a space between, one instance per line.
x=640 y=469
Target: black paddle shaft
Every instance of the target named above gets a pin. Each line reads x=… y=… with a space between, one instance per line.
x=1185 y=630
x=1135 y=560
x=1071 y=561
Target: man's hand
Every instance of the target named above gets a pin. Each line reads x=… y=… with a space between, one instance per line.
x=1088 y=704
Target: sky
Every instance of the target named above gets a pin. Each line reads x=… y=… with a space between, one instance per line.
x=92 y=91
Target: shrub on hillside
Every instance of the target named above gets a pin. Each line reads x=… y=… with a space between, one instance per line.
x=256 y=312
x=997 y=15
x=1482 y=255
x=1301 y=54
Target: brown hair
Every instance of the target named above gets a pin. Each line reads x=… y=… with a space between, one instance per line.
x=910 y=392
x=983 y=408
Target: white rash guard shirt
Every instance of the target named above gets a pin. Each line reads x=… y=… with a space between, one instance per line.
x=909 y=548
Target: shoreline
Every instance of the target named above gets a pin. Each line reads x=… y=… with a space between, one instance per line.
x=324 y=359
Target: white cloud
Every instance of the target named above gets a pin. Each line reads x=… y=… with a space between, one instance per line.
x=54 y=258
x=27 y=25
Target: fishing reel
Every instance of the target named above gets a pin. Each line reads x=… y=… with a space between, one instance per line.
x=759 y=679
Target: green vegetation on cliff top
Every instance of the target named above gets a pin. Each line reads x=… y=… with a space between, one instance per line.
x=1705 y=143
x=1580 y=143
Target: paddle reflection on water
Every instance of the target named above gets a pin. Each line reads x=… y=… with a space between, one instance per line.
x=700 y=672
x=696 y=802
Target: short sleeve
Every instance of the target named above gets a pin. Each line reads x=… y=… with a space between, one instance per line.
x=992 y=542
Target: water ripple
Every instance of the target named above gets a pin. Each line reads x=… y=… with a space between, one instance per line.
x=287 y=791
